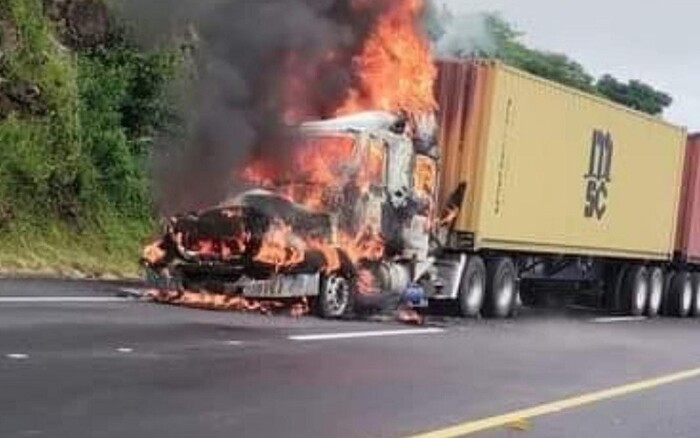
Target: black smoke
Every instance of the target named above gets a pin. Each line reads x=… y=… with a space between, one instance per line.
x=243 y=58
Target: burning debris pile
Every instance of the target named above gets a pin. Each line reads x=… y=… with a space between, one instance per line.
x=331 y=155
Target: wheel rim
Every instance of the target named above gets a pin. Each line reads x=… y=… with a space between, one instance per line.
x=687 y=298
x=656 y=292
x=475 y=291
x=336 y=295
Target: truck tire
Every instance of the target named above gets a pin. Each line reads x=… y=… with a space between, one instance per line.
x=695 y=306
x=655 y=293
x=335 y=297
x=635 y=287
x=472 y=288
x=679 y=295
x=501 y=288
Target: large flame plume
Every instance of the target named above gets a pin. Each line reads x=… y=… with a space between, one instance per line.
x=395 y=70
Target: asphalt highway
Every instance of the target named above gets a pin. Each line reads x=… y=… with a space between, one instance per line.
x=77 y=360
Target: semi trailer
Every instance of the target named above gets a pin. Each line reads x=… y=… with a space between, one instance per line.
x=515 y=185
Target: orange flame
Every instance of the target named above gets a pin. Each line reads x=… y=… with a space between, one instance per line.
x=367 y=245
x=278 y=248
x=395 y=67
x=366 y=283
x=425 y=176
x=330 y=254
x=219 y=301
x=154 y=253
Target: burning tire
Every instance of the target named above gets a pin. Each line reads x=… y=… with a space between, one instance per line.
x=472 y=288
x=335 y=297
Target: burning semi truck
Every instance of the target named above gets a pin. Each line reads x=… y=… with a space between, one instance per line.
x=513 y=185
x=351 y=219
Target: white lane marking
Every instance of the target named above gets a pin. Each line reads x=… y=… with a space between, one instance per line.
x=613 y=319
x=21 y=300
x=354 y=335
x=17 y=356
x=125 y=350
x=234 y=343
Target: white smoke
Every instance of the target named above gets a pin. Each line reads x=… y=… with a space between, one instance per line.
x=465 y=35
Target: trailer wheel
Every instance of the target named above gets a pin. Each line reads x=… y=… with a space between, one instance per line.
x=472 y=288
x=501 y=288
x=695 y=306
x=679 y=296
x=655 y=292
x=335 y=297
x=635 y=287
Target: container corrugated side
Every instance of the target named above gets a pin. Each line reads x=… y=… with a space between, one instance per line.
x=688 y=239
x=460 y=90
x=560 y=171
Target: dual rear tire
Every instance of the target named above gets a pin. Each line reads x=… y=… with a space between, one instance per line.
x=635 y=289
x=642 y=290
x=649 y=291
x=489 y=289
x=679 y=294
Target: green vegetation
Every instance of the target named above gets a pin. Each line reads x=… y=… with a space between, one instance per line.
x=74 y=143
x=496 y=38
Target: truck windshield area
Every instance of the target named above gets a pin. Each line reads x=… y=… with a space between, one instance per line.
x=321 y=168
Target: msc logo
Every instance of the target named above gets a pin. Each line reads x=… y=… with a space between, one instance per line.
x=598 y=176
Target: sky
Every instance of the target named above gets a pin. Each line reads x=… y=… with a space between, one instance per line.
x=653 y=41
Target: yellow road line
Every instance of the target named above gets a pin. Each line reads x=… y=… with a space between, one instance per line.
x=471 y=427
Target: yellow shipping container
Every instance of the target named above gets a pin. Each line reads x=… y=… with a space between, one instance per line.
x=553 y=170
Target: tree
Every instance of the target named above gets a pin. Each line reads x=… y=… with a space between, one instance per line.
x=634 y=94
x=554 y=66
x=489 y=35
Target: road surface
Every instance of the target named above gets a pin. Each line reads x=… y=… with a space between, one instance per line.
x=77 y=361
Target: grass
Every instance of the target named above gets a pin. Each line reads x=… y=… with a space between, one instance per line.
x=56 y=250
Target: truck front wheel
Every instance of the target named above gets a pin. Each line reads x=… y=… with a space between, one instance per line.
x=501 y=288
x=472 y=288
x=335 y=297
